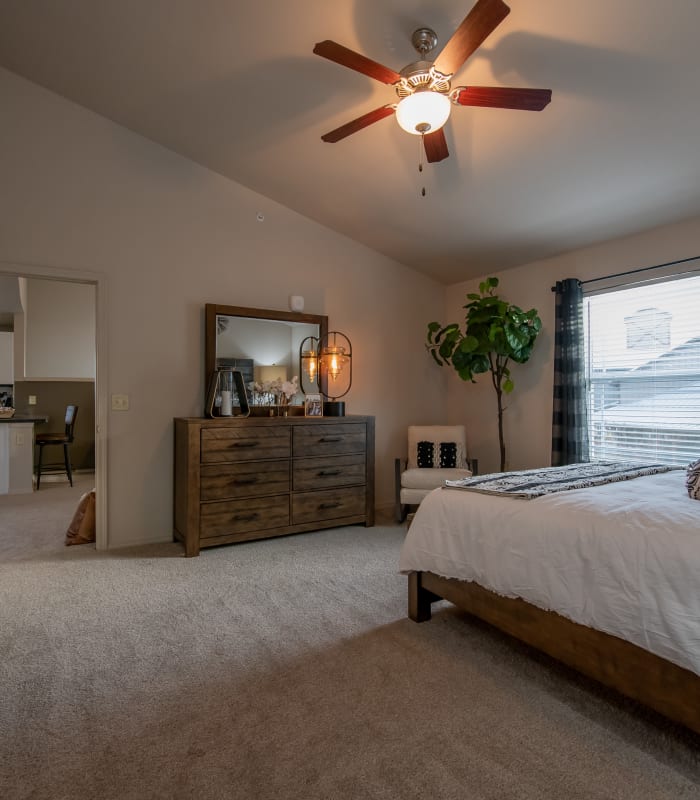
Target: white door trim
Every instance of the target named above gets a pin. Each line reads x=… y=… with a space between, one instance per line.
x=99 y=280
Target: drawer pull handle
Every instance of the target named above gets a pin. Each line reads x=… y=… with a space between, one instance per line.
x=331 y=439
x=324 y=473
x=244 y=481
x=245 y=444
x=326 y=506
x=247 y=517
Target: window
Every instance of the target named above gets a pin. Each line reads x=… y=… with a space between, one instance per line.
x=643 y=372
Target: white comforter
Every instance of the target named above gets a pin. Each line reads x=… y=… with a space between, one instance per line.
x=623 y=558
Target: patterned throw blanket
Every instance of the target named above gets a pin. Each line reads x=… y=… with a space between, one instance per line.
x=530 y=483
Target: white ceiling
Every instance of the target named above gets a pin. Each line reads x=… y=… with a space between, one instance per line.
x=233 y=85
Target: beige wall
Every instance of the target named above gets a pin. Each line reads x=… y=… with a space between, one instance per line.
x=170 y=236
x=528 y=418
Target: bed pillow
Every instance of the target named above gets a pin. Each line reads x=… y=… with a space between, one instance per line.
x=692 y=480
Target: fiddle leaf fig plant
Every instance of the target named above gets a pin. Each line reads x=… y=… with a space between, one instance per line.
x=495 y=333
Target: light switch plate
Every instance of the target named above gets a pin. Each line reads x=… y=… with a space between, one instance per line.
x=32 y=400
x=120 y=402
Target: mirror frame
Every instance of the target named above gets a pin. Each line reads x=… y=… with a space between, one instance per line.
x=212 y=310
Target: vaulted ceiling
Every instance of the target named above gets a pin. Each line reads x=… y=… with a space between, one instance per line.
x=234 y=86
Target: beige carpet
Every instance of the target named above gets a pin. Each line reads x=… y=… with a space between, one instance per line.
x=286 y=669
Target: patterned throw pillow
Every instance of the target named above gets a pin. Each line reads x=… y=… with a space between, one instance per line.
x=436 y=454
x=692 y=480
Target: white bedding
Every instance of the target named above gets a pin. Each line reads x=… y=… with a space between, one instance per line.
x=623 y=558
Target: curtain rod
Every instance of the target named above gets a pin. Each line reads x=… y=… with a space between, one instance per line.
x=635 y=271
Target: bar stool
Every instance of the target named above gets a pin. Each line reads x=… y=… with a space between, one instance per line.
x=65 y=439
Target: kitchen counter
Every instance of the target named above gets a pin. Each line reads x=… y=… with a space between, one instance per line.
x=17 y=453
x=23 y=418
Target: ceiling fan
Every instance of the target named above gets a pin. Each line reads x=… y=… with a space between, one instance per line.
x=423 y=87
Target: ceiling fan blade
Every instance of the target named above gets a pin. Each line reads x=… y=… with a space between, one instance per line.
x=358 y=124
x=435 y=146
x=502 y=97
x=476 y=26
x=349 y=58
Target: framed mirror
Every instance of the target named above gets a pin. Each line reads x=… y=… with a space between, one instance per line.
x=262 y=343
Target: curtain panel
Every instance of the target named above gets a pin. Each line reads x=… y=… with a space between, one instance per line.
x=570 y=418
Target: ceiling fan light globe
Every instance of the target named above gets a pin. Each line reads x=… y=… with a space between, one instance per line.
x=421 y=109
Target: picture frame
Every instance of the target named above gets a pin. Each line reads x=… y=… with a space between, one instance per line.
x=313 y=405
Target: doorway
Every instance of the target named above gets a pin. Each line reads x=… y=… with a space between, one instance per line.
x=60 y=281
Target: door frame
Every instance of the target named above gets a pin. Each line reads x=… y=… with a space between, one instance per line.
x=99 y=281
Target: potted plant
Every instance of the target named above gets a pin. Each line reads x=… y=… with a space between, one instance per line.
x=495 y=333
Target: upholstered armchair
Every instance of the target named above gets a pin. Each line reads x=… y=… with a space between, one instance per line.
x=436 y=453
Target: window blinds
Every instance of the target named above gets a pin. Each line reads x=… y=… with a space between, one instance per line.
x=643 y=372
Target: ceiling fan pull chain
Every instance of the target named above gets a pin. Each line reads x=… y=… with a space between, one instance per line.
x=421 y=149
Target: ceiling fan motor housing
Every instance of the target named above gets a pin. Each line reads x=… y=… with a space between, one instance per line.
x=421 y=75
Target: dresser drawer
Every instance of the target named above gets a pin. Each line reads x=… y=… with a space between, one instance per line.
x=251 y=478
x=328 y=505
x=323 y=440
x=242 y=516
x=244 y=444
x=325 y=471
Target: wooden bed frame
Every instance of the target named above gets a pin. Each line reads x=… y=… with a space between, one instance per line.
x=631 y=670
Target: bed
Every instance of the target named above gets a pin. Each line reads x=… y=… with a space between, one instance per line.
x=606 y=579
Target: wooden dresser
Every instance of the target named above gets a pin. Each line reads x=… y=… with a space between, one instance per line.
x=254 y=477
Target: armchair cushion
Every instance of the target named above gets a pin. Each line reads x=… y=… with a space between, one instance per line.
x=436 y=455
x=431 y=479
x=436 y=447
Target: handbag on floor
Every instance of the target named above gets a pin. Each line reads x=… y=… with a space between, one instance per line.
x=82 y=527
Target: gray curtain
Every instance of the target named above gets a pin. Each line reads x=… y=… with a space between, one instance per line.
x=569 y=420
